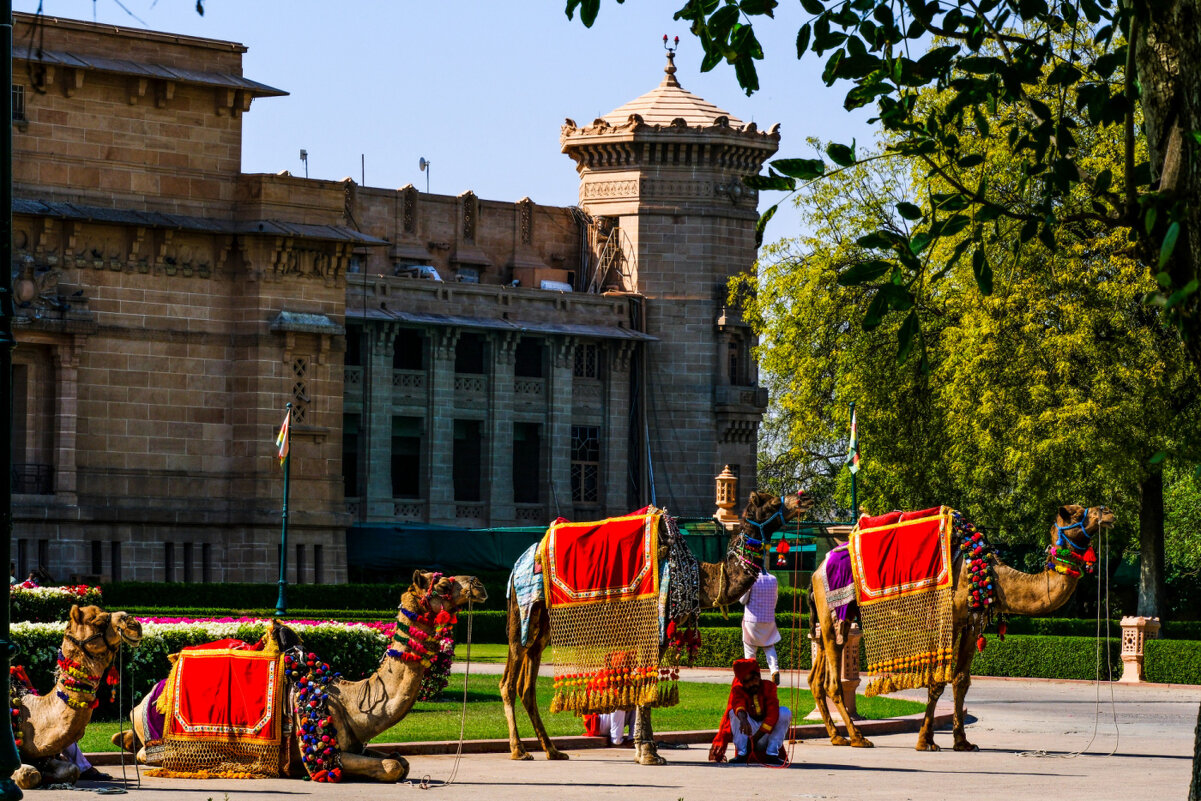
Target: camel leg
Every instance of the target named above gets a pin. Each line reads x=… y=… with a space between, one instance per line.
x=527 y=687
x=125 y=740
x=644 y=740
x=392 y=769
x=515 y=664
x=817 y=686
x=962 y=681
x=925 y=738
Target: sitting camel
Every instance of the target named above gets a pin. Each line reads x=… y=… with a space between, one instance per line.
x=1017 y=593
x=47 y=724
x=361 y=710
x=721 y=584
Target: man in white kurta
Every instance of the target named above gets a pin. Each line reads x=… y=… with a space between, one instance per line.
x=759 y=622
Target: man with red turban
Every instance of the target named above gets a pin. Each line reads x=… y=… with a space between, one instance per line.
x=754 y=720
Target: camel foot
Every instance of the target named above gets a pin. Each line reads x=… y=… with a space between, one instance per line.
x=647 y=755
x=861 y=742
x=926 y=746
x=27 y=777
x=521 y=754
x=964 y=745
x=123 y=740
x=395 y=769
x=555 y=753
x=838 y=739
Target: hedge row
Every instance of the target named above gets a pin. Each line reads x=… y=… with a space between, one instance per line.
x=45 y=604
x=354 y=651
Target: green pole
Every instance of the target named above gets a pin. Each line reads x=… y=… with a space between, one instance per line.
x=854 y=493
x=10 y=760
x=281 y=604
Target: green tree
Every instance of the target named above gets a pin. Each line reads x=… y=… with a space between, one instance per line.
x=1060 y=386
x=994 y=56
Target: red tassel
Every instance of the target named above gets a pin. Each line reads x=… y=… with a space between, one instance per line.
x=113 y=677
x=671 y=629
x=981 y=644
x=442 y=618
x=1001 y=629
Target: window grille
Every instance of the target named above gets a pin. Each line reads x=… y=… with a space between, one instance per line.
x=585 y=464
x=587 y=362
x=18 y=102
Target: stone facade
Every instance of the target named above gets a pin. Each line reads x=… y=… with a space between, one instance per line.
x=170 y=305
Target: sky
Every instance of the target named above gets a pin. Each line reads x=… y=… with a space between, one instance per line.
x=479 y=88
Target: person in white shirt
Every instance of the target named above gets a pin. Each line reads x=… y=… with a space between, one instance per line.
x=759 y=622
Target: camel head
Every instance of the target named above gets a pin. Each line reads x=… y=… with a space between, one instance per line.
x=447 y=592
x=279 y=639
x=94 y=635
x=763 y=510
x=1079 y=524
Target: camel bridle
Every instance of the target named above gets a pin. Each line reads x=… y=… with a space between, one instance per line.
x=1063 y=539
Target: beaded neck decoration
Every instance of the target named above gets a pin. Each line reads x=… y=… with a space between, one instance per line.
x=982 y=579
x=434 y=650
x=19 y=686
x=318 y=739
x=76 y=687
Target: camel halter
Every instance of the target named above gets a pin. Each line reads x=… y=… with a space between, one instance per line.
x=1063 y=538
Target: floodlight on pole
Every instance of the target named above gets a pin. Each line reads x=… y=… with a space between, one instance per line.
x=423 y=164
x=304 y=156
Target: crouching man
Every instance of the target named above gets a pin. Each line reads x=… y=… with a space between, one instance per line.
x=754 y=720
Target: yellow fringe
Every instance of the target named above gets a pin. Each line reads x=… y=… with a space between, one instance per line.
x=163 y=705
x=163 y=773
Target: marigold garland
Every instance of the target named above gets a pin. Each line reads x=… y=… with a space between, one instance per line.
x=318 y=740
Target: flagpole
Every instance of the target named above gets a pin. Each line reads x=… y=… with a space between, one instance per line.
x=854 y=494
x=281 y=603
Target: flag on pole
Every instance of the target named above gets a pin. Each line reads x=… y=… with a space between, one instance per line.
x=281 y=441
x=853 y=448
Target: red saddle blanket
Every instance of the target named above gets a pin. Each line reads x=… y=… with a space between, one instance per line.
x=223 y=694
x=901 y=553
x=610 y=560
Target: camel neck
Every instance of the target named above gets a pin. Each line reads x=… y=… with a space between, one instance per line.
x=1032 y=594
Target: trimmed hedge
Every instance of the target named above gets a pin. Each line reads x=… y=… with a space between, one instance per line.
x=123 y=594
x=1172 y=661
x=45 y=604
x=355 y=652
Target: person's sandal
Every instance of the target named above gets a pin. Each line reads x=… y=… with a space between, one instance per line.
x=93 y=775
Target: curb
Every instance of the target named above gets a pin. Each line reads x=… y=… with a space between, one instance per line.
x=814 y=731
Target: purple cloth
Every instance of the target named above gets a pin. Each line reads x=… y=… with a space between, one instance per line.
x=153 y=720
x=838 y=579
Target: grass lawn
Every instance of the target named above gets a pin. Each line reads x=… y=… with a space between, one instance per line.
x=700 y=707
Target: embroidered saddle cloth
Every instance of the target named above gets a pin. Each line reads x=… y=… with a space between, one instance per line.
x=902 y=567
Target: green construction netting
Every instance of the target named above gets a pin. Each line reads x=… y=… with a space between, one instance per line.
x=381 y=551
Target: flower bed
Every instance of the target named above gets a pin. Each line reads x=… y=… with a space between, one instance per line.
x=33 y=603
x=354 y=649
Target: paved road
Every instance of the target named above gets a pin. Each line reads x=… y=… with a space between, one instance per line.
x=1028 y=732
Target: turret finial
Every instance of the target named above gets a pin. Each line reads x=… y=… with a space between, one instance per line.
x=670 y=69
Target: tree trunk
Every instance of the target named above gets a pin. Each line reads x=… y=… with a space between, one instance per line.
x=1150 y=534
x=1167 y=39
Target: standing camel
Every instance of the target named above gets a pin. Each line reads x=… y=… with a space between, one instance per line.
x=721 y=584
x=361 y=710
x=1017 y=593
x=46 y=724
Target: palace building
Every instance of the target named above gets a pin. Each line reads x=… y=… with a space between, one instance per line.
x=452 y=361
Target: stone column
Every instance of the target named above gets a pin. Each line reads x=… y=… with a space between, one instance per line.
x=1135 y=632
x=558 y=425
x=615 y=469
x=501 y=511
x=377 y=421
x=66 y=410
x=440 y=430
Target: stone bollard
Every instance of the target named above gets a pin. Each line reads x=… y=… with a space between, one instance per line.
x=1135 y=632
x=850 y=676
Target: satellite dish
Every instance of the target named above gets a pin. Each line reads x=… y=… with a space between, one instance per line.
x=422 y=164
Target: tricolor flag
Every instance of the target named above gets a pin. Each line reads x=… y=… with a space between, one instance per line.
x=853 y=448
x=281 y=441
